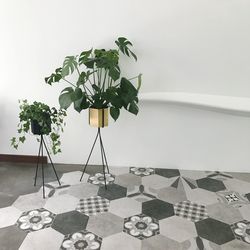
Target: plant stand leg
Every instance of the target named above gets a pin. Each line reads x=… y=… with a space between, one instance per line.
x=84 y=169
x=42 y=168
x=51 y=163
x=38 y=161
x=103 y=164
x=103 y=152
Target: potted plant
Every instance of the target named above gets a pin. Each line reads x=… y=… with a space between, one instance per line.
x=99 y=85
x=41 y=120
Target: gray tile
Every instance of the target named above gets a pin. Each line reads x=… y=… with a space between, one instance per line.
x=105 y=224
x=11 y=238
x=70 y=222
x=160 y=242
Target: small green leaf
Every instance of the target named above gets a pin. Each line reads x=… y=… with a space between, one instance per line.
x=133 y=108
x=115 y=113
x=22 y=139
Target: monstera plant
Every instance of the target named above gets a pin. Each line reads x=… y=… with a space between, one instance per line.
x=99 y=83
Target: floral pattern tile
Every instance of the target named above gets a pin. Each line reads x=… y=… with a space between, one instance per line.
x=241 y=231
x=35 y=220
x=232 y=198
x=141 y=209
x=141 y=226
x=142 y=171
x=98 y=179
x=83 y=240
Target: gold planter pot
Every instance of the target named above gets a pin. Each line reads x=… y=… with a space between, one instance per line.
x=98 y=118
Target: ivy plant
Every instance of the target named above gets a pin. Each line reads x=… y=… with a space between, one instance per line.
x=99 y=82
x=50 y=120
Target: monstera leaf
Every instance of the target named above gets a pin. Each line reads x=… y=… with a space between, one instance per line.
x=65 y=99
x=123 y=44
x=54 y=77
x=69 y=65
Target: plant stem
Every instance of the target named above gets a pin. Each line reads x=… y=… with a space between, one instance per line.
x=69 y=82
x=104 y=81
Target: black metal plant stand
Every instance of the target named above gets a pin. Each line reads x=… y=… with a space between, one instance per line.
x=103 y=155
x=40 y=154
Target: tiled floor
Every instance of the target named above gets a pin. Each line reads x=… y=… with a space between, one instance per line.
x=142 y=209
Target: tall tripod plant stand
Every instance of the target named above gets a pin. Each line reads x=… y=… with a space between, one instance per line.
x=40 y=155
x=103 y=156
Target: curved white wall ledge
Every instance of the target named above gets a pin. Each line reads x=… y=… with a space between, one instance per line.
x=226 y=104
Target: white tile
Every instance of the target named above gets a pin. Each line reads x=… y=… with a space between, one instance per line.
x=61 y=204
x=9 y=216
x=177 y=228
x=83 y=190
x=73 y=178
x=121 y=241
x=156 y=181
x=46 y=239
x=29 y=202
x=125 y=207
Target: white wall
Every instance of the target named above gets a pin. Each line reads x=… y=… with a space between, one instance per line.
x=195 y=46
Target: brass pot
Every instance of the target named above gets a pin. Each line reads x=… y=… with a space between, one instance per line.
x=98 y=118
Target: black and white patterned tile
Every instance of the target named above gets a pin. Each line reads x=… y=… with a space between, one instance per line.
x=141 y=209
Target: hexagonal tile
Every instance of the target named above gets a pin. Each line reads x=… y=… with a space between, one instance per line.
x=241 y=231
x=35 y=220
x=29 y=201
x=168 y=173
x=141 y=193
x=245 y=212
x=105 y=224
x=83 y=190
x=209 y=229
x=141 y=226
x=239 y=186
x=199 y=243
x=211 y=184
x=8 y=216
x=232 y=198
x=156 y=181
x=160 y=242
x=158 y=209
x=7 y=200
x=224 y=213
x=121 y=241
x=54 y=189
x=193 y=174
x=171 y=195
x=177 y=228
x=119 y=170
x=141 y=171
x=93 y=205
x=190 y=211
x=247 y=196
x=81 y=240
x=98 y=179
x=61 y=204
x=235 y=244
x=112 y=192
x=125 y=207
x=128 y=180
x=73 y=178
x=70 y=222
x=203 y=196
x=11 y=237
x=44 y=239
